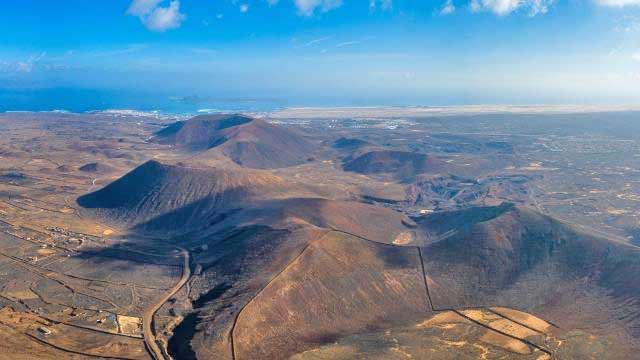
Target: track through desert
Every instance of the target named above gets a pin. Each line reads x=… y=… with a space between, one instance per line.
x=147 y=316
x=235 y=320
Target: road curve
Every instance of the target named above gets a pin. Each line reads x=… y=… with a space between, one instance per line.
x=147 y=316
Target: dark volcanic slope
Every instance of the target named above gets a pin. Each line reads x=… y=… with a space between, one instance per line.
x=355 y=285
x=201 y=132
x=279 y=272
x=402 y=164
x=367 y=221
x=95 y=168
x=515 y=257
x=192 y=196
x=247 y=141
x=344 y=143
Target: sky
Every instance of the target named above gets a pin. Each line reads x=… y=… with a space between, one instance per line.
x=157 y=54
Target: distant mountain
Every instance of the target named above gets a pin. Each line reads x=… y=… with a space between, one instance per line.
x=96 y=168
x=247 y=141
x=402 y=164
x=344 y=143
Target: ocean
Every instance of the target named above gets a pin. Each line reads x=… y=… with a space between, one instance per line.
x=87 y=100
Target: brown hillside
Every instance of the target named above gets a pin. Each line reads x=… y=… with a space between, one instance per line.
x=367 y=221
x=515 y=257
x=96 y=168
x=278 y=271
x=248 y=141
x=339 y=285
x=163 y=196
x=401 y=164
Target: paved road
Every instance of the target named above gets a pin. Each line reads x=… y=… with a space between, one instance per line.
x=147 y=316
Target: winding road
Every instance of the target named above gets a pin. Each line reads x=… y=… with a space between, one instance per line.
x=147 y=316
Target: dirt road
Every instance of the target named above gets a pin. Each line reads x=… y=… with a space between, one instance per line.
x=147 y=316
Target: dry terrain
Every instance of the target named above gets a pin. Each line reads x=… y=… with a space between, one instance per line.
x=411 y=234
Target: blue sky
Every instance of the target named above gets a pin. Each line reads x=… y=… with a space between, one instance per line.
x=321 y=52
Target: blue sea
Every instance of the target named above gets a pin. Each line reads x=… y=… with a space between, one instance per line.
x=78 y=100
x=86 y=100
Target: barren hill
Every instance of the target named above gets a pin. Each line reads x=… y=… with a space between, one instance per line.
x=337 y=288
x=192 y=196
x=280 y=272
x=372 y=222
x=345 y=143
x=515 y=257
x=356 y=285
x=96 y=168
x=248 y=141
x=402 y=164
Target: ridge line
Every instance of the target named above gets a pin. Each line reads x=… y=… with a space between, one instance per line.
x=424 y=278
x=235 y=320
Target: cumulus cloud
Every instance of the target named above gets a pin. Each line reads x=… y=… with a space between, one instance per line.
x=498 y=7
x=244 y=8
x=619 y=3
x=156 y=17
x=448 y=8
x=506 y=7
x=383 y=4
x=142 y=7
x=539 y=7
x=165 y=18
x=308 y=7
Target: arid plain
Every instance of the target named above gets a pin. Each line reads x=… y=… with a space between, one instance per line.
x=306 y=235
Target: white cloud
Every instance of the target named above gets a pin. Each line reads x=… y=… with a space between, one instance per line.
x=383 y=4
x=619 y=3
x=142 y=7
x=499 y=7
x=448 y=8
x=244 y=8
x=539 y=7
x=23 y=66
x=348 y=43
x=506 y=7
x=308 y=7
x=315 y=41
x=156 y=17
x=165 y=18
x=636 y=56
